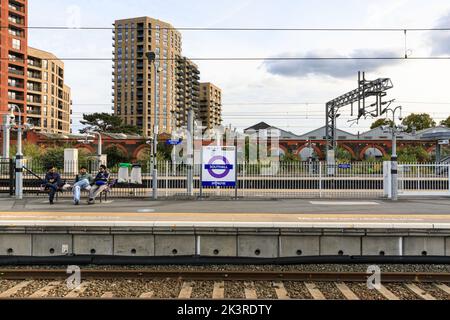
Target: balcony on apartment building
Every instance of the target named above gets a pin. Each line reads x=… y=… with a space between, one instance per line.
x=33 y=112
x=34 y=99
x=14 y=95
x=15 y=83
x=34 y=63
x=16 y=19
x=35 y=122
x=16 y=6
x=34 y=75
x=16 y=32
x=15 y=58
x=16 y=71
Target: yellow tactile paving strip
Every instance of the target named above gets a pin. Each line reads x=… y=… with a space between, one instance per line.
x=242 y=217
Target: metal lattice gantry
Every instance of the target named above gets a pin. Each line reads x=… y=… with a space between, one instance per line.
x=366 y=89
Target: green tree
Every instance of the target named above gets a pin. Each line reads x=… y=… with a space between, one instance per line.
x=164 y=153
x=29 y=150
x=343 y=155
x=418 y=121
x=53 y=156
x=446 y=122
x=382 y=122
x=413 y=154
x=108 y=123
x=115 y=156
x=290 y=157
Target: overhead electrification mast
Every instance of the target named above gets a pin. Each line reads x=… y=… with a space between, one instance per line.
x=366 y=89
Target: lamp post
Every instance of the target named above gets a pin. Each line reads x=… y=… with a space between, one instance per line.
x=173 y=153
x=190 y=153
x=394 y=160
x=6 y=135
x=99 y=146
x=19 y=154
x=151 y=57
x=331 y=161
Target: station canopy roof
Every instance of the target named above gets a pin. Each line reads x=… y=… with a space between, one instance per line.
x=437 y=133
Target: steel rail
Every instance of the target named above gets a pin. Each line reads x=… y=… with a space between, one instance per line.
x=24 y=274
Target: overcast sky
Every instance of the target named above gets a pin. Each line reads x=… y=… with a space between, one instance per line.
x=288 y=94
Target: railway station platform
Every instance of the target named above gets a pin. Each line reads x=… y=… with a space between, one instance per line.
x=226 y=229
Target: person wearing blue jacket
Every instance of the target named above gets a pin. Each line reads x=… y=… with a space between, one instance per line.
x=100 y=184
x=52 y=182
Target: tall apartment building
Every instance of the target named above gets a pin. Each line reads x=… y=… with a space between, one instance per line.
x=48 y=98
x=210 y=105
x=13 y=55
x=187 y=92
x=134 y=76
x=30 y=78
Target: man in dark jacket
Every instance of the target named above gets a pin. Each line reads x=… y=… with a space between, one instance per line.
x=52 y=182
x=100 y=184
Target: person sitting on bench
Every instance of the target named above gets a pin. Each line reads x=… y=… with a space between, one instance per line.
x=83 y=181
x=52 y=183
x=100 y=184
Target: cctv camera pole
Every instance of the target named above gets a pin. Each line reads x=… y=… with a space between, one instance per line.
x=394 y=166
x=99 y=148
x=190 y=153
x=155 y=164
x=151 y=58
x=19 y=155
x=173 y=153
x=6 y=136
x=394 y=160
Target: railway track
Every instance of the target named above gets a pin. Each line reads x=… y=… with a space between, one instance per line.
x=150 y=284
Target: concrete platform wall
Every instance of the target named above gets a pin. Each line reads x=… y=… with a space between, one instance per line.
x=224 y=243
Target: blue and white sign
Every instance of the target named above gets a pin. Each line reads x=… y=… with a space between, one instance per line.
x=219 y=166
x=345 y=166
x=173 y=142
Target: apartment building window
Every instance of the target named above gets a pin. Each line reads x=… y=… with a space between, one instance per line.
x=13 y=83
x=13 y=95
x=45 y=64
x=46 y=76
x=16 y=44
x=15 y=32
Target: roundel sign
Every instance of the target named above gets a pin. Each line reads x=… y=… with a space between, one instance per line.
x=219 y=166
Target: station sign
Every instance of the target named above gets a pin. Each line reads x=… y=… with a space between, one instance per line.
x=345 y=166
x=174 y=142
x=444 y=142
x=218 y=166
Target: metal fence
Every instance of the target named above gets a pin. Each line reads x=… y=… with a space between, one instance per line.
x=259 y=180
x=282 y=180
x=424 y=179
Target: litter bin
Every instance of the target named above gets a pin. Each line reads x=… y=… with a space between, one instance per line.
x=136 y=174
x=124 y=176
